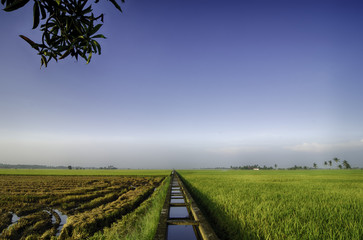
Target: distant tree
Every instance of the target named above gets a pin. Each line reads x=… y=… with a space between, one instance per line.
x=248 y=167
x=295 y=167
x=325 y=163
x=336 y=160
x=340 y=166
x=330 y=163
x=70 y=167
x=315 y=165
x=346 y=164
x=275 y=166
x=69 y=28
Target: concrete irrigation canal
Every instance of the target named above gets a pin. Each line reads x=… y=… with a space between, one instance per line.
x=180 y=217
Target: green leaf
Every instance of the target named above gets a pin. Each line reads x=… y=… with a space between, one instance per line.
x=89 y=57
x=31 y=43
x=98 y=47
x=68 y=51
x=65 y=54
x=16 y=4
x=99 y=36
x=95 y=29
x=87 y=10
x=81 y=5
x=44 y=61
x=42 y=10
x=94 y=48
x=116 y=5
x=36 y=14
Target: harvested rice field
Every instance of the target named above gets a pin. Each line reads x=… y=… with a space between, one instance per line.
x=68 y=207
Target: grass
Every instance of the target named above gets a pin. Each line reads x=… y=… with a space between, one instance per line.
x=315 y=204
x=86 y=172
x=141 y=223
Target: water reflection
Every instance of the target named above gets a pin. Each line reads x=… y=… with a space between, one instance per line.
x=177 y=200
x=178 y=212
x=181 y=232
x=14 y=219
x=63 y=221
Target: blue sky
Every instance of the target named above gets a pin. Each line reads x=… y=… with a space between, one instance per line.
x=189 y=84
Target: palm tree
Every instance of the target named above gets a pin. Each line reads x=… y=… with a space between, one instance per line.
x=340 y=166
x=336 y=160
x=275 y=166
x=325 y=163
x=330 y=162
x=346 y=164
x=315 y=165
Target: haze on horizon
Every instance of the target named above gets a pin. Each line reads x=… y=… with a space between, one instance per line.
x=190 y=84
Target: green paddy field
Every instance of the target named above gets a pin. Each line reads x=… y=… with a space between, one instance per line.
x=310 y=204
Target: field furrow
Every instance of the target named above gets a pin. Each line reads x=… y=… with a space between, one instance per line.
x=37 y=207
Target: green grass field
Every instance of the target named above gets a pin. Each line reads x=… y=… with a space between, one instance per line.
x=314 y=204
x=86 y=172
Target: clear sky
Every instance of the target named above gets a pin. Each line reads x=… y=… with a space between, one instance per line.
x=189 y=84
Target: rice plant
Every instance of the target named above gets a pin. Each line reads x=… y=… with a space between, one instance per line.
x=281 y=204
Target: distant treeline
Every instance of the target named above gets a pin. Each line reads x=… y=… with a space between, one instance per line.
x=25 y=166
x=299 y=168
x=258 y=167
x=250 y=167
x=28 y=166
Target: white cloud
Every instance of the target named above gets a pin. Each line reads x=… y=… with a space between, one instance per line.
x=325 y=147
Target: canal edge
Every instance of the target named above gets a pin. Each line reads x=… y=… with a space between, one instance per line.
x=203 y=229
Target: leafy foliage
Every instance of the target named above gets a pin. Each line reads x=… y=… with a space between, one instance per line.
x=69 y=28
